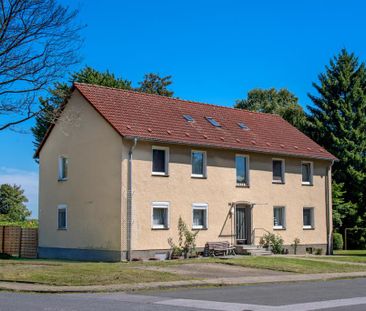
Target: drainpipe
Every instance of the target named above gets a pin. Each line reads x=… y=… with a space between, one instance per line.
x=129 y=200
x=328 y=199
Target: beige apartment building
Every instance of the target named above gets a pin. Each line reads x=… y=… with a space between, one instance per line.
x=119 y=168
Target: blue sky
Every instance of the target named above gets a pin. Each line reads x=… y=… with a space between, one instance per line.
x=216 y=52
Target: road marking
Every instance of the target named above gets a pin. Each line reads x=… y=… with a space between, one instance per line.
x=216 y=305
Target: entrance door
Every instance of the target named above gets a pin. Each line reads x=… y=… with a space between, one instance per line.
x=243 y=219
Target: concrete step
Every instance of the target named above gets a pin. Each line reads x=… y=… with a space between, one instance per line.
x=252 y=250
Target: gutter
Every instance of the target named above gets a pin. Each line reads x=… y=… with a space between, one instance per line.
x=129 y=200
x=328 y=207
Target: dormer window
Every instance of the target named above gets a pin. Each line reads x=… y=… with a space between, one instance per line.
x=213 y=122
x=188 y=118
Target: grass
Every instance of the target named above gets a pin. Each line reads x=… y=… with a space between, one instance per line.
x=296 y=265
x=86 y=273
x=78 y=273
x=350 y=253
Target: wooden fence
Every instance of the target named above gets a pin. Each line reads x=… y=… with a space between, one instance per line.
x=19 y=242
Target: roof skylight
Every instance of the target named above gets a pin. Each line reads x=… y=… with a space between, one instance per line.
x=213 y=122
x=188 y=118
x=243 y=126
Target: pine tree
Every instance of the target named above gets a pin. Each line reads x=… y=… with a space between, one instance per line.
x=154 y=84
x=281 y=102
x=338 y=122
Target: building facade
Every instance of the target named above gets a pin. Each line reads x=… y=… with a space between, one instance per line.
x=119 y=168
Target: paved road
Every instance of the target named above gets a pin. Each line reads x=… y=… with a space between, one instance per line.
x=332 y=295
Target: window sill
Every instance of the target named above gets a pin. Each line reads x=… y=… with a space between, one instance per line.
x=307 y=184
x=279 y=228
x=62 y=179
x=160 y=228
x=61 y=229
x=308 y=228
x=278 y=182
x=160 y=174
x=199 y=176
x=242 y=185
x=199 y=228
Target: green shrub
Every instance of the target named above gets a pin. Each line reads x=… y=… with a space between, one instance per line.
x=273 y=242
x=337 y=241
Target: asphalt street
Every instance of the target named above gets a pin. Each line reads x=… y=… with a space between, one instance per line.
x=302 y=296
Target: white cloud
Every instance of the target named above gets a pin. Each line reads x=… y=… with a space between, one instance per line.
x=28 y=180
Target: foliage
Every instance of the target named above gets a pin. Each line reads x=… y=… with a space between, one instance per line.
x=281 y=102
x=338 y=122
x=337 y=241
x=342 y=211
x=273 y=242
x=12 y=201
x=39 y=41
x=186 y=241
x=154 y=84
x=296 y=243
x=28 y=223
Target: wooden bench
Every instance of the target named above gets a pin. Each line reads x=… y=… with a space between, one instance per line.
x=220 y=248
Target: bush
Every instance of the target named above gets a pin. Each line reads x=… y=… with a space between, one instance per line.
x=337 y=241
x=273 y=242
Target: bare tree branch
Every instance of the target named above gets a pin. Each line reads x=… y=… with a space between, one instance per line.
x=39 y=42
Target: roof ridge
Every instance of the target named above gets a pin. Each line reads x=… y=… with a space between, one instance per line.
x=179 y=99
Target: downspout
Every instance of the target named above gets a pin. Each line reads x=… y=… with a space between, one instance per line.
x=328 y=199
x=129 y=200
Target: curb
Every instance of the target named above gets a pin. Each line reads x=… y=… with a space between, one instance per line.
x=41 y=288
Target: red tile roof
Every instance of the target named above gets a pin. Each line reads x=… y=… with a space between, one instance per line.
x=159 y=118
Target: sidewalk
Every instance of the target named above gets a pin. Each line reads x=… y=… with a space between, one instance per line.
x=40 y=288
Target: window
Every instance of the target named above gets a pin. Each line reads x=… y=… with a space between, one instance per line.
x=160 y=215
x=62 y=217
x=160 y=160
x=63 y=163
x=242 y=170
x=307 y=173
x=188 y=118
x=308 y=218
x=278 y=217
x=199 y=215
x=243 y=126
x=198 y=163
x=278 y=171
x=213 y=122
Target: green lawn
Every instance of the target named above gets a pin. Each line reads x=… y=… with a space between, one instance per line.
x=87 y=273
x=78 y=273
x=296 y=265
x=350 y=253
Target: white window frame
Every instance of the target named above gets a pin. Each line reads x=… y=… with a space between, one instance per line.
x=62 y=207
x=283 y=170
x=204 y=175
x=312 y=226
x=283 y=226
x=200 y=206
x=247 y=170
x=160 y=205
x=308 y=183
x=166 y=165
x=61 y=170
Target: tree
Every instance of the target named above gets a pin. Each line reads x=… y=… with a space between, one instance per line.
x=154 y=84
x=12 y=201
x=338 y=122
x=281 y=102
x=50 y=107
x=39 y=41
